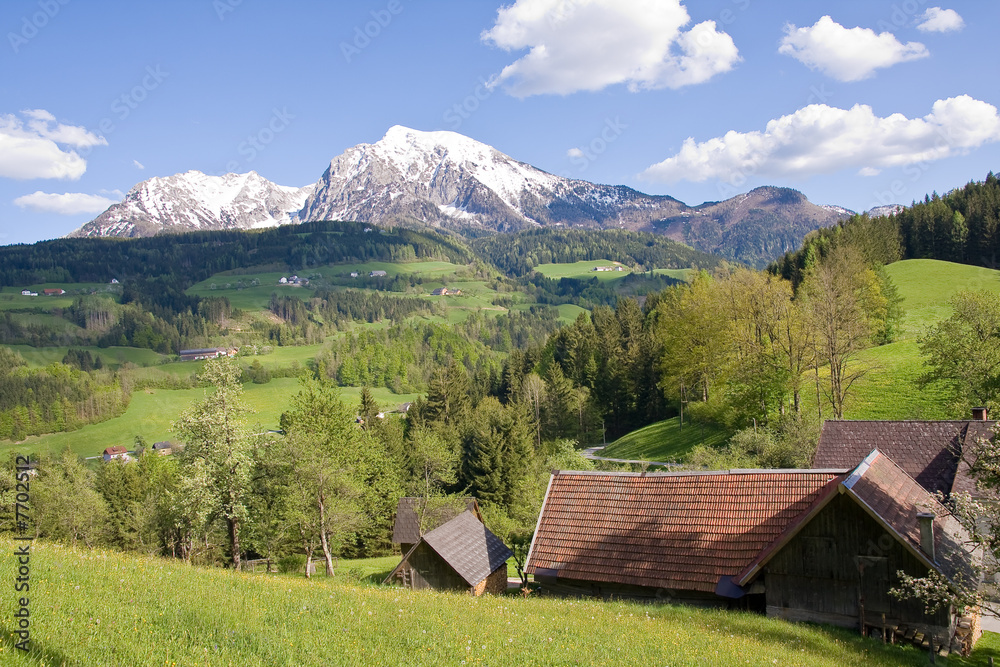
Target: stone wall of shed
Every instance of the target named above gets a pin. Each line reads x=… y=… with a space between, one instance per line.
x=816 y=576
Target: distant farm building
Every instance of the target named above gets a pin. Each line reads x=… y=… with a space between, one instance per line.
x=461 y=555
x=377 y=274
x=207 y=353
x=116 y=453
x=28 y=292
x=444 y=291
x=609 y=268
x=163 y=448
x=54 y=292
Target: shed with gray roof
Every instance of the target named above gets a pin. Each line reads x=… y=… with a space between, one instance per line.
x=461 y=555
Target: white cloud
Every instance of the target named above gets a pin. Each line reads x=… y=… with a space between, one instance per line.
x=936 y=19
x=579 y=45
x=869 y=171
x=70 y=203
x=32 y=148
x=574 y=152
x=821 y=139
x=846 y=54
x=138 y=165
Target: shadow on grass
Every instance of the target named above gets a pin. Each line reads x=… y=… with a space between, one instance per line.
x=36 y=652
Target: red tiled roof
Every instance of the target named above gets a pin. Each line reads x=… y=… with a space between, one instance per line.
x=928 y=451
x=894 y=499
x=682 y=531
x=886 y=489
x=116 y=449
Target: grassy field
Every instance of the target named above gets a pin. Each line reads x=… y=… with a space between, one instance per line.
x=105 y=608
x=583 y=270
x=889 y=390
x=111 y=356
x=665 y=441
x=257 y=297
x=151 y=413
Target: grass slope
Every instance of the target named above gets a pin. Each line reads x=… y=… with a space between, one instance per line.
x=151 y=413
x=889 y=389
x=106 y=608
x=584 y=269
x=665 y=441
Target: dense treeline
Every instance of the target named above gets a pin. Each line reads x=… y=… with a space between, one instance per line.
x=590 y=292
x=328 y=486
x=405 y=356
x=961 y=226
x=58 y=397
x=518 y=254
x=195 y=256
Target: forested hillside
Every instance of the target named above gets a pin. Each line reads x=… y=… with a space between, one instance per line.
x=961 y=226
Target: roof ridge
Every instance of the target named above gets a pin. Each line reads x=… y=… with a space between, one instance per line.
x=705 y=473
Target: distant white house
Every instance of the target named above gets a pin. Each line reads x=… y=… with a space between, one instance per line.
x=354 y=274
x=283 y=280
x=28 y=292
x=114 y=281
x=377 y=274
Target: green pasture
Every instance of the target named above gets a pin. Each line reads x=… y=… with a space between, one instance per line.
x=257 y=297
x=666 y=441
x=11 y=297
x=583 y=269
x=48 y=321
x=111 y=356
x=677 y=274
x=927 y=285
x=95 y=607
x=151 y=413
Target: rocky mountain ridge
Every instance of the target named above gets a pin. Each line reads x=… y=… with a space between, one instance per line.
x=444 y=179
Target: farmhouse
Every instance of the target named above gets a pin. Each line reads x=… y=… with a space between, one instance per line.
x=929 y=451
x=164 y=447
x=54 y=292
x=444 y=291
x=116 y=452
x=207 y=353
x=814 y=545
x=28 y=292
x=461 y=555
x=377 y=274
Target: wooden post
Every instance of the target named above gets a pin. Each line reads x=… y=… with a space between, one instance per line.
x=932 y=648
x=883 y=628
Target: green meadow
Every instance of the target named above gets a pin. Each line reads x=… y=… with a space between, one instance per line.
x=93 y=607
x=585 y=269
x=151 y=413
x=666 y=441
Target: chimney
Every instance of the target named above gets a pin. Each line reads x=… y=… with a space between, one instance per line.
x=979 y=414
x=926 y=520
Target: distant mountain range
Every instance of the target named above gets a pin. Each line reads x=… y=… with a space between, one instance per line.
x=444 y=179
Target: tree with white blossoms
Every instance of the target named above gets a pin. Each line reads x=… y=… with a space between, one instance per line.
x=219 y=448
x=979 y=515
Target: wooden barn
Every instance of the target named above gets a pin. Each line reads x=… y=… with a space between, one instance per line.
x=416 y=516
x=461 y=555
x=814 y=545
x=929 y=451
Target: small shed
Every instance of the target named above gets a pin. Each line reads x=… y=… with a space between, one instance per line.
x=461 y=555
x=416 y=516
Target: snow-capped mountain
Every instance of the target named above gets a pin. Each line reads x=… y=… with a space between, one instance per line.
x=445 y=179
x=196 y=201
x=885 y=210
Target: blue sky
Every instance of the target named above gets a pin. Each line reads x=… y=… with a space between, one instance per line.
x=855 y=103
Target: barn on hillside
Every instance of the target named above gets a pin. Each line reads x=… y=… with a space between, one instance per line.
x=814 y=545
x=929 y=451
x=461 y=555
